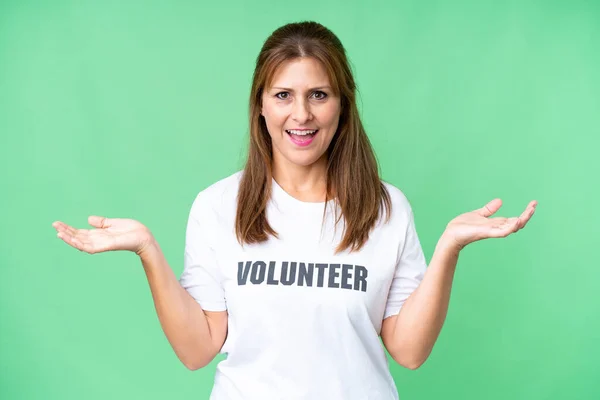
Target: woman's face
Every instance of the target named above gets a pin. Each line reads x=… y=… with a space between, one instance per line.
x=301 y=112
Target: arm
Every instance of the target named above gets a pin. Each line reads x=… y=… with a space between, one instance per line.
x=409 y=336
x=195 y=335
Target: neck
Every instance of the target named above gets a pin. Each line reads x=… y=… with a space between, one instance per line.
x=307 y=183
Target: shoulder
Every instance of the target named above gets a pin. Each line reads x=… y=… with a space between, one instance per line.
x=402 y=215
x=220 y=195
x=400 y=203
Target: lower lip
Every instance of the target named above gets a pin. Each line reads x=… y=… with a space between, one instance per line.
x=305 y=142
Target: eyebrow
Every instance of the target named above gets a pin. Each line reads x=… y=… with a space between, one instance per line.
x=291 y=90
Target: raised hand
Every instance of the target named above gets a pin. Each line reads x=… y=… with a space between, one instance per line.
x=111 y=234
x=475 y=225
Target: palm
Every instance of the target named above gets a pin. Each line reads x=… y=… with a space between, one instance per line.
x=111 y=234
x=475 y=225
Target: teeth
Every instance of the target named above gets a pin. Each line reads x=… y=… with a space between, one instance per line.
x=295 y=132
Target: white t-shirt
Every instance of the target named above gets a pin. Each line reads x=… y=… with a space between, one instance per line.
x=303 y=323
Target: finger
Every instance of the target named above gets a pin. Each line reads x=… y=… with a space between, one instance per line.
x=62 y=227
x=70 y=240
x=81 y=243
x=490 y=208
x=59 y=226
x=98 y=222
x=66 y=229
x=74 y=233
x=529 y=217
x=526 y=215
x=71 y=231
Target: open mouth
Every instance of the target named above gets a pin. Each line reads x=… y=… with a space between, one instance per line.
x=302 y=137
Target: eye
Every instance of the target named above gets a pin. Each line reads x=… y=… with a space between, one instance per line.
x=282 y=98
x=322 y=95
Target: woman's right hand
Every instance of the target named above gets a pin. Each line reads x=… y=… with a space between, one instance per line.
x=112 y=234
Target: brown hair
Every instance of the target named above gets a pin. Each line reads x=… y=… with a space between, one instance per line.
x=352 y=170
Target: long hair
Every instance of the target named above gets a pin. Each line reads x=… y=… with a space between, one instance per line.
x=352 y=170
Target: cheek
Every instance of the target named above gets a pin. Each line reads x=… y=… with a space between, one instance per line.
x=275 y=118
x=274 y=122
x=331 y=116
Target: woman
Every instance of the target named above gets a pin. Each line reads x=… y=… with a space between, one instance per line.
x=295 y=266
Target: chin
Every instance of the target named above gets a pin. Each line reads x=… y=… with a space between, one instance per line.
x=303 y=161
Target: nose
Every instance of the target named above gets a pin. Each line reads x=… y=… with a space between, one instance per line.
x=301 y=111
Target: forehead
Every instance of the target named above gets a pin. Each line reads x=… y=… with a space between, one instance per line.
x=300 y=72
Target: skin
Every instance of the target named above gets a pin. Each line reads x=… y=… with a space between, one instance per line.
x=301 y=97
x=410 y=336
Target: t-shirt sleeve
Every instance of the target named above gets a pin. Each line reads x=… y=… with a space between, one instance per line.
x=410 y=269
x=201 y=276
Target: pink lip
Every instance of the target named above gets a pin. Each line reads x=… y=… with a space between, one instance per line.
x=305 y=142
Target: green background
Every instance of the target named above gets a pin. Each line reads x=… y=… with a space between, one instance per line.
x=129 y=109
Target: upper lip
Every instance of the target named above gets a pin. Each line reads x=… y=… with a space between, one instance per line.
x=300 y=129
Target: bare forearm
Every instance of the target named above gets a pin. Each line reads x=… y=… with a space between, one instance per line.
x=182 y=319
x=423 y=314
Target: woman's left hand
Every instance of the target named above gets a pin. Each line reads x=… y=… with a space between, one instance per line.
x=475 y=225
